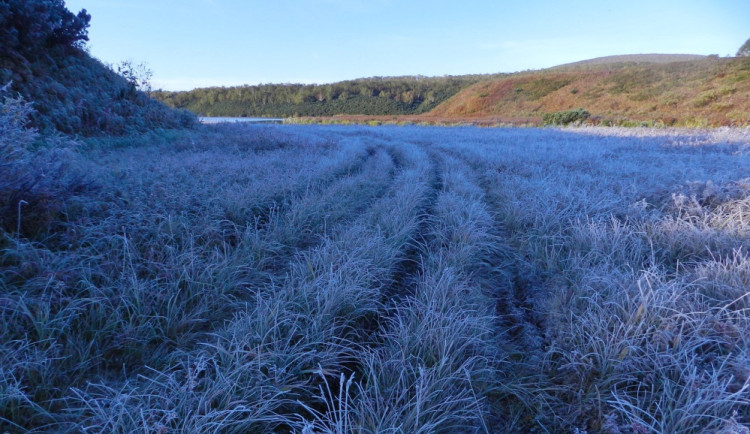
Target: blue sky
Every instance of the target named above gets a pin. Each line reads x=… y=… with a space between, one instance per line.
x=200 y=43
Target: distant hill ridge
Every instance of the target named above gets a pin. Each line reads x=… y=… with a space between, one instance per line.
x=670 y=89
x=631 y=58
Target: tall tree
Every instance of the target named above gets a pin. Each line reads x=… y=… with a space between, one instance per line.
x=26 y=25
x=744 y=50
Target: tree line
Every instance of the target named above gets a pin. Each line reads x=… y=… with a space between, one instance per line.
x=366 y=96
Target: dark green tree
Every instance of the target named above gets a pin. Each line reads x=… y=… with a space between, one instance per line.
x=26 y=25
x=744 y=50
x=368 y=96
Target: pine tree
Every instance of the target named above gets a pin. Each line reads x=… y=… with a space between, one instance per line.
x=744 y=50
x=26 y=25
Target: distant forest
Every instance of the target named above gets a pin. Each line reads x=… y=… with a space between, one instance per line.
x=367 y=96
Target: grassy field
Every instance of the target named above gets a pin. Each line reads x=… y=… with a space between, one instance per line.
x=340 y=279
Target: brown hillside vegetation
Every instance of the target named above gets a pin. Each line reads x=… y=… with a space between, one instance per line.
x=708 y=91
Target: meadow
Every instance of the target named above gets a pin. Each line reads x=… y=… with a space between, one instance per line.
x=298 y=278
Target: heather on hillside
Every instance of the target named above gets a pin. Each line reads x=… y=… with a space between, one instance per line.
x=392 y=279
x=703 y=92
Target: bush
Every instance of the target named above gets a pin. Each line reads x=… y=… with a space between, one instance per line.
x=39 y=179
x=15 y=135
x=15 y=138
x=565 y=117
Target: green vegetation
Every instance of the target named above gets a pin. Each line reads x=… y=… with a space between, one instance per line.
x=367 y=96
x=617 y=90
x=744 y=50
x=566 y=117
x=535 y=89
x=42 y=56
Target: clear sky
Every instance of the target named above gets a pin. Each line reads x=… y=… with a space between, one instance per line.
x=200 y=43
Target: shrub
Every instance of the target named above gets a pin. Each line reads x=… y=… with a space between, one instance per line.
x=565 y=117
x=15 y=135
x=537 y=89
x=15 y=138
x=41 y=179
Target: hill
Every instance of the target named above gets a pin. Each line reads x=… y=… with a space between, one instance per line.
x=670 y=89
x=630 y=59
x=43 y=57
x=704 y=91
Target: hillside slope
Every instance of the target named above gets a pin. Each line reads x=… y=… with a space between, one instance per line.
x=630 y=58
x=707 y=91
x=43 y=57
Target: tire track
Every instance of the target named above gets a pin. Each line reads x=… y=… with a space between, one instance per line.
x=276 y=243
x=519 y=296
x=327 y=281
x=308 y=323
x=409 y=267
x=280 y=201
x=437 y=330
x=518 y=293
x=306 y=221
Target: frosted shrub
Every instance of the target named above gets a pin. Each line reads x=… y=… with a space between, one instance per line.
x=42 y=178
x=15 y=134
x=15 y=137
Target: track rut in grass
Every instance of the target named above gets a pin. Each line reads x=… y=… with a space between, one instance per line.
x=408 y=267
x=519 y=292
